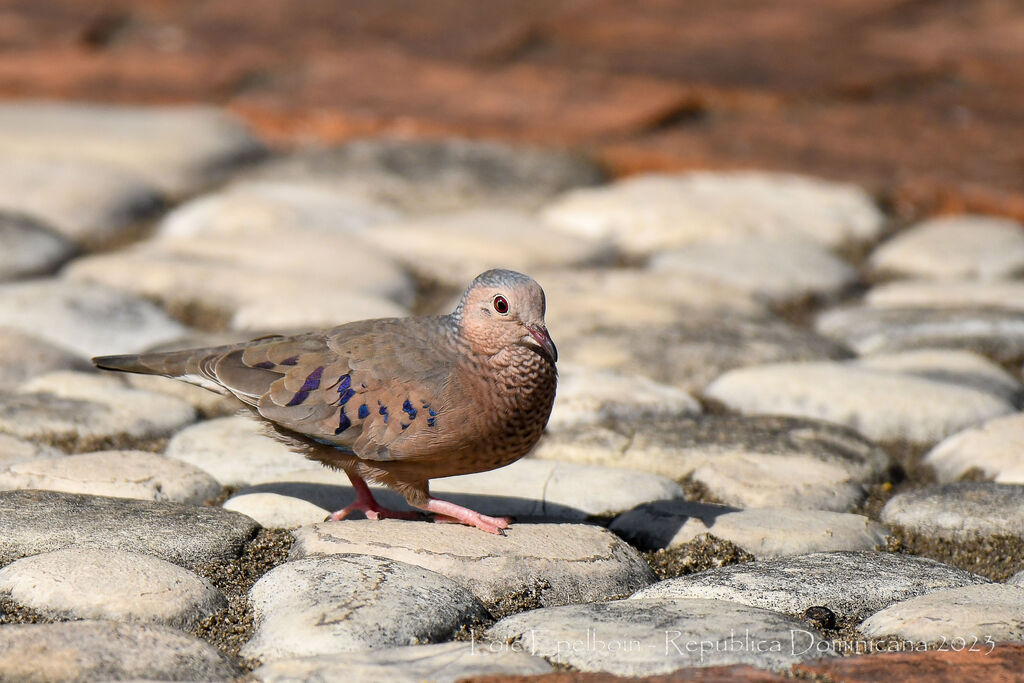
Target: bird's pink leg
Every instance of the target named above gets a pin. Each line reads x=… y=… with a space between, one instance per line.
x=366 y=504
x=450 y=512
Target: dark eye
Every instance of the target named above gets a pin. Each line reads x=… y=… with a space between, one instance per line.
x=501 y=304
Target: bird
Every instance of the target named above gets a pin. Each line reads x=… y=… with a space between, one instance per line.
x=396 y=401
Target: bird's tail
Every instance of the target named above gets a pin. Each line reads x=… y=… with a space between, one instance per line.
x=171 y=363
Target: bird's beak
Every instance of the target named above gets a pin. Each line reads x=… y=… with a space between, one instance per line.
x=540 y=334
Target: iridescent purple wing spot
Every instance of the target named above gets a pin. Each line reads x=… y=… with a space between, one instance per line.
x=312 y=383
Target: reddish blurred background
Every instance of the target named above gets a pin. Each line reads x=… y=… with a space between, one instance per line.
x=920 y=100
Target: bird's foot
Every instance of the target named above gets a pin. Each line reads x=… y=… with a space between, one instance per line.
x=368 y=505
x=372 y=511
x=451 y=513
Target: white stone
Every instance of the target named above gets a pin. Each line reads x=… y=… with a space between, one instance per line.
x=587 y=396
x=29 y=248
x=324 y=605
x=763 y=532
x=105 y=650
x=87 y=319
x=851 y=584
x=950 y=365
x=995 y=447
x=962 y=511
x=437 y=663
x=454 y=248
x=880 y=404
x=943 y=294
x=216 y=274
x=23 y=356
x=648 y=213
x=208 y=403
x=120 y=474
x=275 y=510
x=995 y=332
x=952 y=247
x=236 y=451
x=92 y=204
x=86 y=411
x=787 y=461
x=555 y=564
x=975 y=615
x=14 y=450
x=179 y=149
x=86 y=583
x=650 y=637
x=773 y=270
x=262 y=209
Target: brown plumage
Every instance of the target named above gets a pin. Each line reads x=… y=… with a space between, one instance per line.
x=397 y=401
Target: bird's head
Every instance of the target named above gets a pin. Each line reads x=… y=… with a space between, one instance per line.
x=503 y=308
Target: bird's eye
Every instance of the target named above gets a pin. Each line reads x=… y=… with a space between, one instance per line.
x=501 y=304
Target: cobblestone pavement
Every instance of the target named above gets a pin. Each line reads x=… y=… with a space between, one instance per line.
x=920 y=102
x=786 y=436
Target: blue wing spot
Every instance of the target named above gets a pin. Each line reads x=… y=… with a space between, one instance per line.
x=384 y=411
x=349 y=393
x=364 y=412
x=404 y=427
x=294 y=360
x=344 y=382
x=433 y=416
x=407 y=407
x=343 y=423
x=312 y=383
x=265 y=365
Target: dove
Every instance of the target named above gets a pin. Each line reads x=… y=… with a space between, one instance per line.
x=396 y=401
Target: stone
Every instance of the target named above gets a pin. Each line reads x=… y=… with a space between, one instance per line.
x=953 y=366
x=651 y=213
x=1016 y=580
x=987 y=613
x=119 y=474
x=994 y=448
x=87 y=319
x=880 y=404
x=773 y=270
x=583 y=300
x=527 y=488
x=961 y=511
x=555 y=490
x=179 y=149
x=299 y=494
x=23 y=356
x=587 y=396
x=853 y=584
x=438 y=663
x=85 y=651
x=433 y=176
x=28 y=248
x=93 y=205
x=951 y=247
x=695 y=350
x=763 y=532
x=945 y=294
x=972 y=662
x=14 y=450
x=78 y=411
x=86 y=583
x=247 y=209
x=186 y=535
x=324 y=605
x=276 y=510
x=997 y=333
x=654 y=636
x=548 y=564
x=453 y=248
x=211 y=277
x=753 y=461
x=236 y=451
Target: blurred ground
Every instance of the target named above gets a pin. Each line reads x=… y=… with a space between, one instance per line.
x=919 y=100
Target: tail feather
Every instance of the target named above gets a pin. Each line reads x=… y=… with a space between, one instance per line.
x=124 y=363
